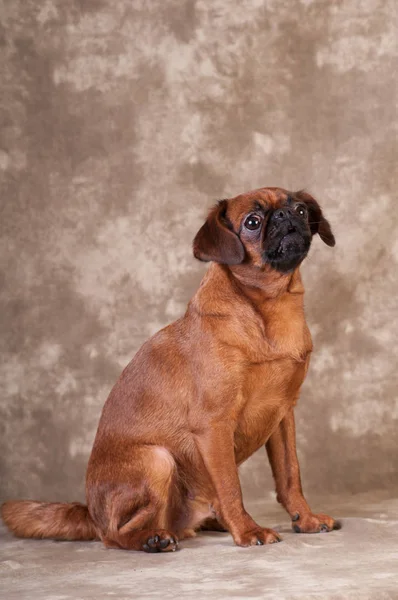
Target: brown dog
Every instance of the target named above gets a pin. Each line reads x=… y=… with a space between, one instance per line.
x=205 y=393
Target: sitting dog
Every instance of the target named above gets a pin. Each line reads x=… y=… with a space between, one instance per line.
x=203 y=394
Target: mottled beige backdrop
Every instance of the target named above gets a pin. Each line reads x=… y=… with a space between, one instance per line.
x=121 y=122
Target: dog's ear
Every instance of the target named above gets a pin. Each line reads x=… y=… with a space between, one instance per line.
x=318 y=223
x=216 y=240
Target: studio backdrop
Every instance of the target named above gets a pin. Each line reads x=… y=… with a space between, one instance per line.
x=121 y=123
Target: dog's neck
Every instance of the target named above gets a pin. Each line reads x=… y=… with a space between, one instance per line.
x=223 y=286
x=260 y=284
x=263 y=288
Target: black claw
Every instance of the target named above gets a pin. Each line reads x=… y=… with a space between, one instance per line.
x=149 y=548
x=259 y=543
x=297 y=529
x=296 y=517
x=324 y=528
x=164 y=543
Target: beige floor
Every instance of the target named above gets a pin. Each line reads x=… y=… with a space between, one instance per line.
x=360 y=561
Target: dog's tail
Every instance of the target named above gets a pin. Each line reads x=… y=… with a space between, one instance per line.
x=29 y=519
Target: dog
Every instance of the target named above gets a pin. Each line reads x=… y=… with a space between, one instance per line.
x=203 y=394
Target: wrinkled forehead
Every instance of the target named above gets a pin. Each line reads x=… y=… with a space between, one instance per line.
x=263 y=198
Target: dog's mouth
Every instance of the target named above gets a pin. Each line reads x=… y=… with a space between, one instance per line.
x=287 y=252
x=291 y=242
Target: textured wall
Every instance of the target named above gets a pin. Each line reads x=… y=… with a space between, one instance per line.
x=121 y=123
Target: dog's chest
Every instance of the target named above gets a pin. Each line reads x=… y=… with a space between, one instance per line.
x=276 y=331
x=269 y=391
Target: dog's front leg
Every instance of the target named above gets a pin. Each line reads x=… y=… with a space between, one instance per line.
x=281 y=449
x=216 y=446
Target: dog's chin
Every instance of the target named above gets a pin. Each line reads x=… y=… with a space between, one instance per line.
x=288 y=252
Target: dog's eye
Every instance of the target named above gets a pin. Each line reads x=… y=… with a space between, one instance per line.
x=253 y=222
x=301 y=210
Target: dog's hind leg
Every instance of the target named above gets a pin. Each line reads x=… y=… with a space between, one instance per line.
x=138 y=502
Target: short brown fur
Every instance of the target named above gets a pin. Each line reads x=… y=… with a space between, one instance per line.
x=196 y=401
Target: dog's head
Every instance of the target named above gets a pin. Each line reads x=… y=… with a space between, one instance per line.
x=269 y=226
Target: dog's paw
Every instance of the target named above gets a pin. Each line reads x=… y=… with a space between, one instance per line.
x=310 y=523
x=257 y=537
x=160 y=541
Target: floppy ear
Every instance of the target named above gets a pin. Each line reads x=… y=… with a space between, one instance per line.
x=216 y=241
x=318 y=223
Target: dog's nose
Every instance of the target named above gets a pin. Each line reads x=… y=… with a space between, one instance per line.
x=280 y=214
